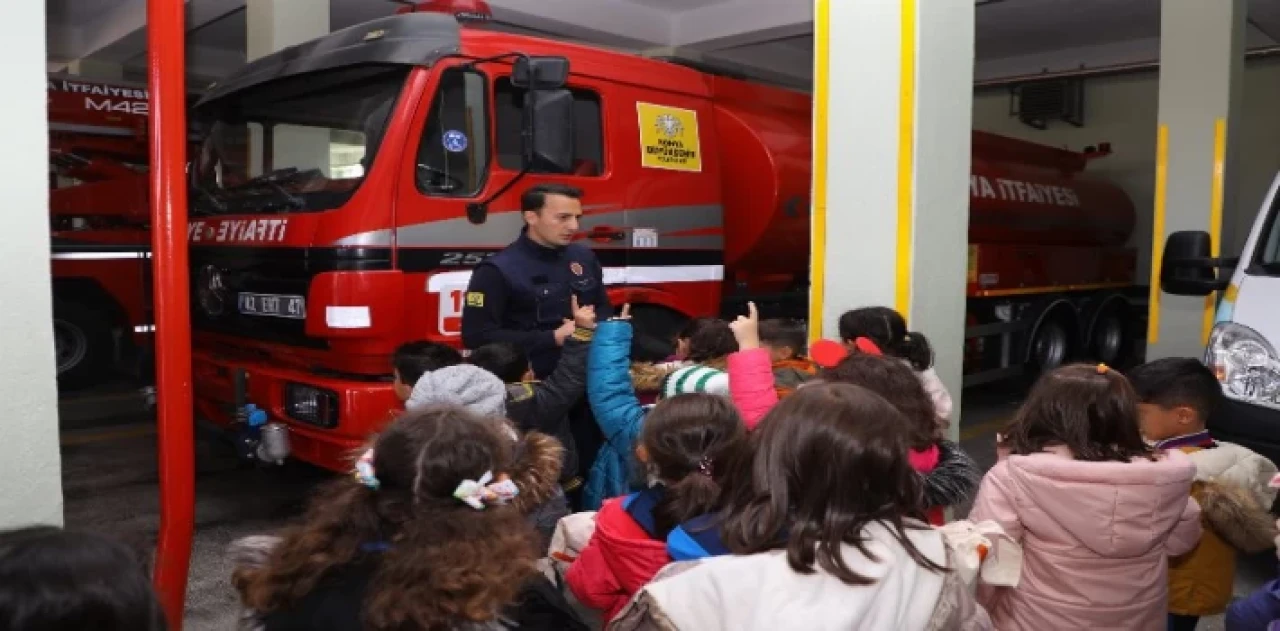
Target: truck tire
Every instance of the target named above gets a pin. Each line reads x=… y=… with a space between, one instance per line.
x=655 y=332
x=1111 y=339
x=1050 y=346
x=83 y=344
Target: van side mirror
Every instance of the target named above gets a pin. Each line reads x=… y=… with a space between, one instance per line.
x=1188 y=267
x=548 y=131
x=540 y=73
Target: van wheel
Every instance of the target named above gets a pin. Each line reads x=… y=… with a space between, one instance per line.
x=655 y=332
x=82 y=342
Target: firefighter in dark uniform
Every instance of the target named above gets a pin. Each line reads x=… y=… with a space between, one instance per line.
x=522 y=294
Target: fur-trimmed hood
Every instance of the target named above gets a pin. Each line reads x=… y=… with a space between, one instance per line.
x=954 y=481
x=536 y=470
x=1235 y=515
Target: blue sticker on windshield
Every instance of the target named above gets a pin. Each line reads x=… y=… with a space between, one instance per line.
x=455 y=141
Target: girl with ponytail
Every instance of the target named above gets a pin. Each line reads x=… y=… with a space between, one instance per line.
x=883 y=331
x=685 y=443
x=426 y=536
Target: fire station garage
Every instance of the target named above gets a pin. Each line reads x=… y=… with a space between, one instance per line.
x=207 y=284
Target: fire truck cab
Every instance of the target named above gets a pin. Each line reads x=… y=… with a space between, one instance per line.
x=345 y=187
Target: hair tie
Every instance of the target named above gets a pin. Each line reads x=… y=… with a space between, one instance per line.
x=479 y=493
x=705 y=467
x=865 y=345
x=1103 y=369
x=364 y=471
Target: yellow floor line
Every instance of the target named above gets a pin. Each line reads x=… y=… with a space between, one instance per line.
x=117 y=433
x=971 y=432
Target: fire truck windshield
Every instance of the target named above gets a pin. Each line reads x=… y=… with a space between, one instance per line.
x=298 y=144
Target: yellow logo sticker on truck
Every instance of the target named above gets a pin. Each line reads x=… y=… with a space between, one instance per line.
x=669 y=138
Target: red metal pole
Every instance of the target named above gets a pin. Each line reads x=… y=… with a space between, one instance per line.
x=166 y=71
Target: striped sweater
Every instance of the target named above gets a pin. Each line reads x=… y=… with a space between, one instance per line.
x=696 y=378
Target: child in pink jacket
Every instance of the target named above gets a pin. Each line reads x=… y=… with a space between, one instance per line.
x=1098 y=512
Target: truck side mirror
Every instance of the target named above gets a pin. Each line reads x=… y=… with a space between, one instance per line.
x=1188 y=268
x=548 y=132
x=540 y=73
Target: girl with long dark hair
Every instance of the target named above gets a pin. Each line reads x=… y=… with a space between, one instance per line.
x=820 y=521
x=683 y=442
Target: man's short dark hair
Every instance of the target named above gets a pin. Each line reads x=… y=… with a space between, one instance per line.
x=414 y=359
x=535 y=199
x=505 y=360
x=1177 y=382
x=784 y=333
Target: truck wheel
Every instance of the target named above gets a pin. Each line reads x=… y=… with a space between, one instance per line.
x=82 y=343
x=1109 y=342
x=1050 y=347
x=655 y=332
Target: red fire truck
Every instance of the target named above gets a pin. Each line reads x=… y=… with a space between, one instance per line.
x=99 y=214
x=346 y=185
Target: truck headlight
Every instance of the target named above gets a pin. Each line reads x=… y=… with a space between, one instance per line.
x=311 y=405
x=1245 y=363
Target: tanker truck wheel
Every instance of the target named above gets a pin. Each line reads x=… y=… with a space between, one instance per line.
x=1050 y=346
x=82 y=342
x=1110 y=341
x=655 y=332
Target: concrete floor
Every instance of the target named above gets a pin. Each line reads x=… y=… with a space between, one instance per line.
x=110 y=485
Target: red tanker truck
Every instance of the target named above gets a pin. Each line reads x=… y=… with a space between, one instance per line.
x=347 y=185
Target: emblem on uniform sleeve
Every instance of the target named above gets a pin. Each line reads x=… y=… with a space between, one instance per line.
x=475 y=299
x=576 y=268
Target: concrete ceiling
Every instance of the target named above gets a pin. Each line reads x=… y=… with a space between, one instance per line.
x=769 y=38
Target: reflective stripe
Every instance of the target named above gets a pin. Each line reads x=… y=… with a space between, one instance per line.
x=145 y=328
x=502 y=227
x=100 y=256
x=612 y=276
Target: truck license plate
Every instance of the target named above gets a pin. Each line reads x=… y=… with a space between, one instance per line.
x=293 y=307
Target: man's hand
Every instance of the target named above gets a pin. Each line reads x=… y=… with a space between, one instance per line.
x=625 y=314
x=746 y=329
x=565 y=331
x=583 y=316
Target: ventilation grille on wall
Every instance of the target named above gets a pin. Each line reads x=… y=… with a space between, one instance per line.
x=1041 y=102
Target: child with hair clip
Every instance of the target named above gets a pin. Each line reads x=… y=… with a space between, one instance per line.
x=683 y=440
x=52 y=579
x=951 y=477
x=1097 y=511
x=883 y=331
x=422 y=537
x=620 y=413
x=819 y=518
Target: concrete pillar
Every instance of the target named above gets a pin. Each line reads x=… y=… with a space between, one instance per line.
x=273 y=25
x=96 y=69
x=1201 y=59
x=30 y=460
x=891 y=166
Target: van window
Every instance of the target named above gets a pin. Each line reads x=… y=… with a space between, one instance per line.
x=453 y=151
x=588 y=129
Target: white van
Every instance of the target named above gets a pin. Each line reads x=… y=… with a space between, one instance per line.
x=1246 y=334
